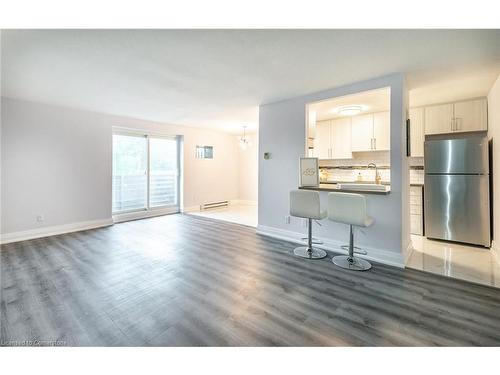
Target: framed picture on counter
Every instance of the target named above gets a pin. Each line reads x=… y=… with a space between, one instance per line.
x=309 y=172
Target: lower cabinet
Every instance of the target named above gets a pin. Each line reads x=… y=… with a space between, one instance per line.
x=416 y=210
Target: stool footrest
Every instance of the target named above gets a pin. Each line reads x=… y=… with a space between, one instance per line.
x=314 y=240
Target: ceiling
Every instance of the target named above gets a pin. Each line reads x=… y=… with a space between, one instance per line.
x=369 y=101
x=218 y=78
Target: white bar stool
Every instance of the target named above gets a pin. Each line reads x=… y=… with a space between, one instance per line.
x=305 y=204
x=349 y=209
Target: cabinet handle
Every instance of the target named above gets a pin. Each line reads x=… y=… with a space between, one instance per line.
x=452 y=124
x=374 y=143
x=457 y=123
x=371 y=143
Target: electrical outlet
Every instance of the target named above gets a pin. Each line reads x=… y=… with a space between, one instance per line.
x=287 y=219
x=40 y=218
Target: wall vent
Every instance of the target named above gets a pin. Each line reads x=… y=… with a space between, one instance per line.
x=208 y=206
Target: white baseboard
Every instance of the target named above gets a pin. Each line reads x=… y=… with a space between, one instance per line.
x=377 y=255
x=54 y=230
x=190 y=209
x=144 y=214
x=244 y=202
x=232 y=202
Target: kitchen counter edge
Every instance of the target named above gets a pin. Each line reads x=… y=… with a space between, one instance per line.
x=320 y=188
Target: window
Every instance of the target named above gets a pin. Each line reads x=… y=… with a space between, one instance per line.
x=145 y=173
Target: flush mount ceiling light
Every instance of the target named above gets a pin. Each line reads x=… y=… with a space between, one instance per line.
x=350 y=110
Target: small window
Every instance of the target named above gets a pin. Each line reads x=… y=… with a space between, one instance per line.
x=204 y=152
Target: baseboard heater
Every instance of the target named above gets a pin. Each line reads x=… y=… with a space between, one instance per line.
x=207 y=206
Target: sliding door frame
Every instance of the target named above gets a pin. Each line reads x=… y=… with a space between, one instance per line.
x=149 y=211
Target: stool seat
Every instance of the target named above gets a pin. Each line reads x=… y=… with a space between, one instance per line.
x=306 y=204
x=350 y=209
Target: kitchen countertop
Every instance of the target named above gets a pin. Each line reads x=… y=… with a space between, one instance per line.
x=329 y=187
x=353 y=182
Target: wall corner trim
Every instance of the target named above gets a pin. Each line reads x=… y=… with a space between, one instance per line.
x=409 y=251
x=377 y=255
x=496 y=251
x=54 y=230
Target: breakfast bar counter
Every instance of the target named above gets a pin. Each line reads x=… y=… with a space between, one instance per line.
x=334 y=187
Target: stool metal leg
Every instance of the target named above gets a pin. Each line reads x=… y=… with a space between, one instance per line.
x=351 y=262
x=308 y=251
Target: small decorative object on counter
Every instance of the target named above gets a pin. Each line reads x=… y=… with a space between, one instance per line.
x=309 y=172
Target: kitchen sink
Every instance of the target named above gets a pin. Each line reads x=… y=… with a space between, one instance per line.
x=362 y=186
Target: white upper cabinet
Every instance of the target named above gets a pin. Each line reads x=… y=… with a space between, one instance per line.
x=341 y=139
x=382 y=131
x=417 y=135
x=466 y=116
x=333 y=139
x=311 y=125
x=439 y=119
x=322 y=140
x=470 y=116
x=362 y=133
x=371 y=132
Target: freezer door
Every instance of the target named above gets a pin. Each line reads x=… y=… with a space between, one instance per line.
x=462 y=156
x=457 y=208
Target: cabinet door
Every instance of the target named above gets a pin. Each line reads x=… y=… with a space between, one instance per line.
x=362 y=133
x=322 y=140
x=311 y=125
x=341 y=139
x=382 y=131
x=417 y=132
x=470 y=116
x=438 y=119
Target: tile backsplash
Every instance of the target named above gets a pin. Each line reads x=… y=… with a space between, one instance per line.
x=338 y=170
x=381 y=158
x=350 y=169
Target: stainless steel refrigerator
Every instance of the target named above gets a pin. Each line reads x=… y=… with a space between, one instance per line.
x=457 y=190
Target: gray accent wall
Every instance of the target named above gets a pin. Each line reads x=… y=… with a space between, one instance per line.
x=282 y=134
x=57 y=162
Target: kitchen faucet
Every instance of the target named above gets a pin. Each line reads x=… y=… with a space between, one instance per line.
x=378 y=179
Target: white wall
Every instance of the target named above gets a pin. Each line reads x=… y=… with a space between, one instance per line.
x=248 y=170
x=494 y=133
x=282 y=133
x=57 y=162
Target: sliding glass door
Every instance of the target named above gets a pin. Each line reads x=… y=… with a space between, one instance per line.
x=163 y=172
x=130 y=165
x=145 y=173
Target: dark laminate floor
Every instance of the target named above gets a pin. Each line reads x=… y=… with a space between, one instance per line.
x=183 y=280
